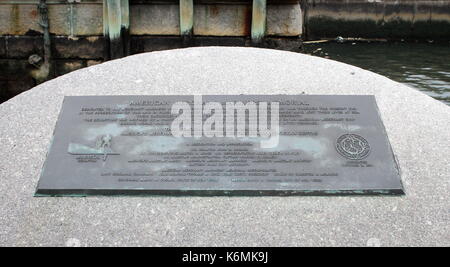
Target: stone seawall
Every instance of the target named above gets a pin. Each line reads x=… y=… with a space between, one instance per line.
x=78 y=39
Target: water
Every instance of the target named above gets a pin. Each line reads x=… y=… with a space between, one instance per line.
x=425 y=67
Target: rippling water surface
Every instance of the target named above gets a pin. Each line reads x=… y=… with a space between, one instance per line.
x=425 y=67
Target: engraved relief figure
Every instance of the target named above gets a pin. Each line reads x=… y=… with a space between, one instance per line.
x=103 y=146
x=104 y=143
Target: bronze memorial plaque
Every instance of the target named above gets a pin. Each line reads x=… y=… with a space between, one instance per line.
x=220 y=145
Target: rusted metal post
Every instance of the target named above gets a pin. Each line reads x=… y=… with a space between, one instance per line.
x=186 y=20
x=259 y=20
x=116 y=27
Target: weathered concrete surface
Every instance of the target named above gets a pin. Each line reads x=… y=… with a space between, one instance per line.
x=18 y=19
x=214 y=19
x=222 y=20
x=235 y=20
x=154 y=19
x=391 y=19
x=284 y=20
x=24 y=46
x=417 y=125
x=65 y=19
x=210 y=19
x=81 y=47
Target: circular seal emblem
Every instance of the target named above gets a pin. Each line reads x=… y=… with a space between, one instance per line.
x=352 y=146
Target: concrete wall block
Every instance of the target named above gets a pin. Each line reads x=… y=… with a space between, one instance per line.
x=222 y=20
x=79 y=48
x=284 y=20
x=87 y=20
x=423 y=12
x=346 y=11
x=404 y=19
x=209 y=20
x=65 y=19
x=24 y=46
x=406 y=10
x=155 y=20
x=76 y=20
x=60 y=19
x=19 y=19
x=441 y=11
x=214 y=19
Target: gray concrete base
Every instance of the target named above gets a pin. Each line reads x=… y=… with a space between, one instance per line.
x=417 y=125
